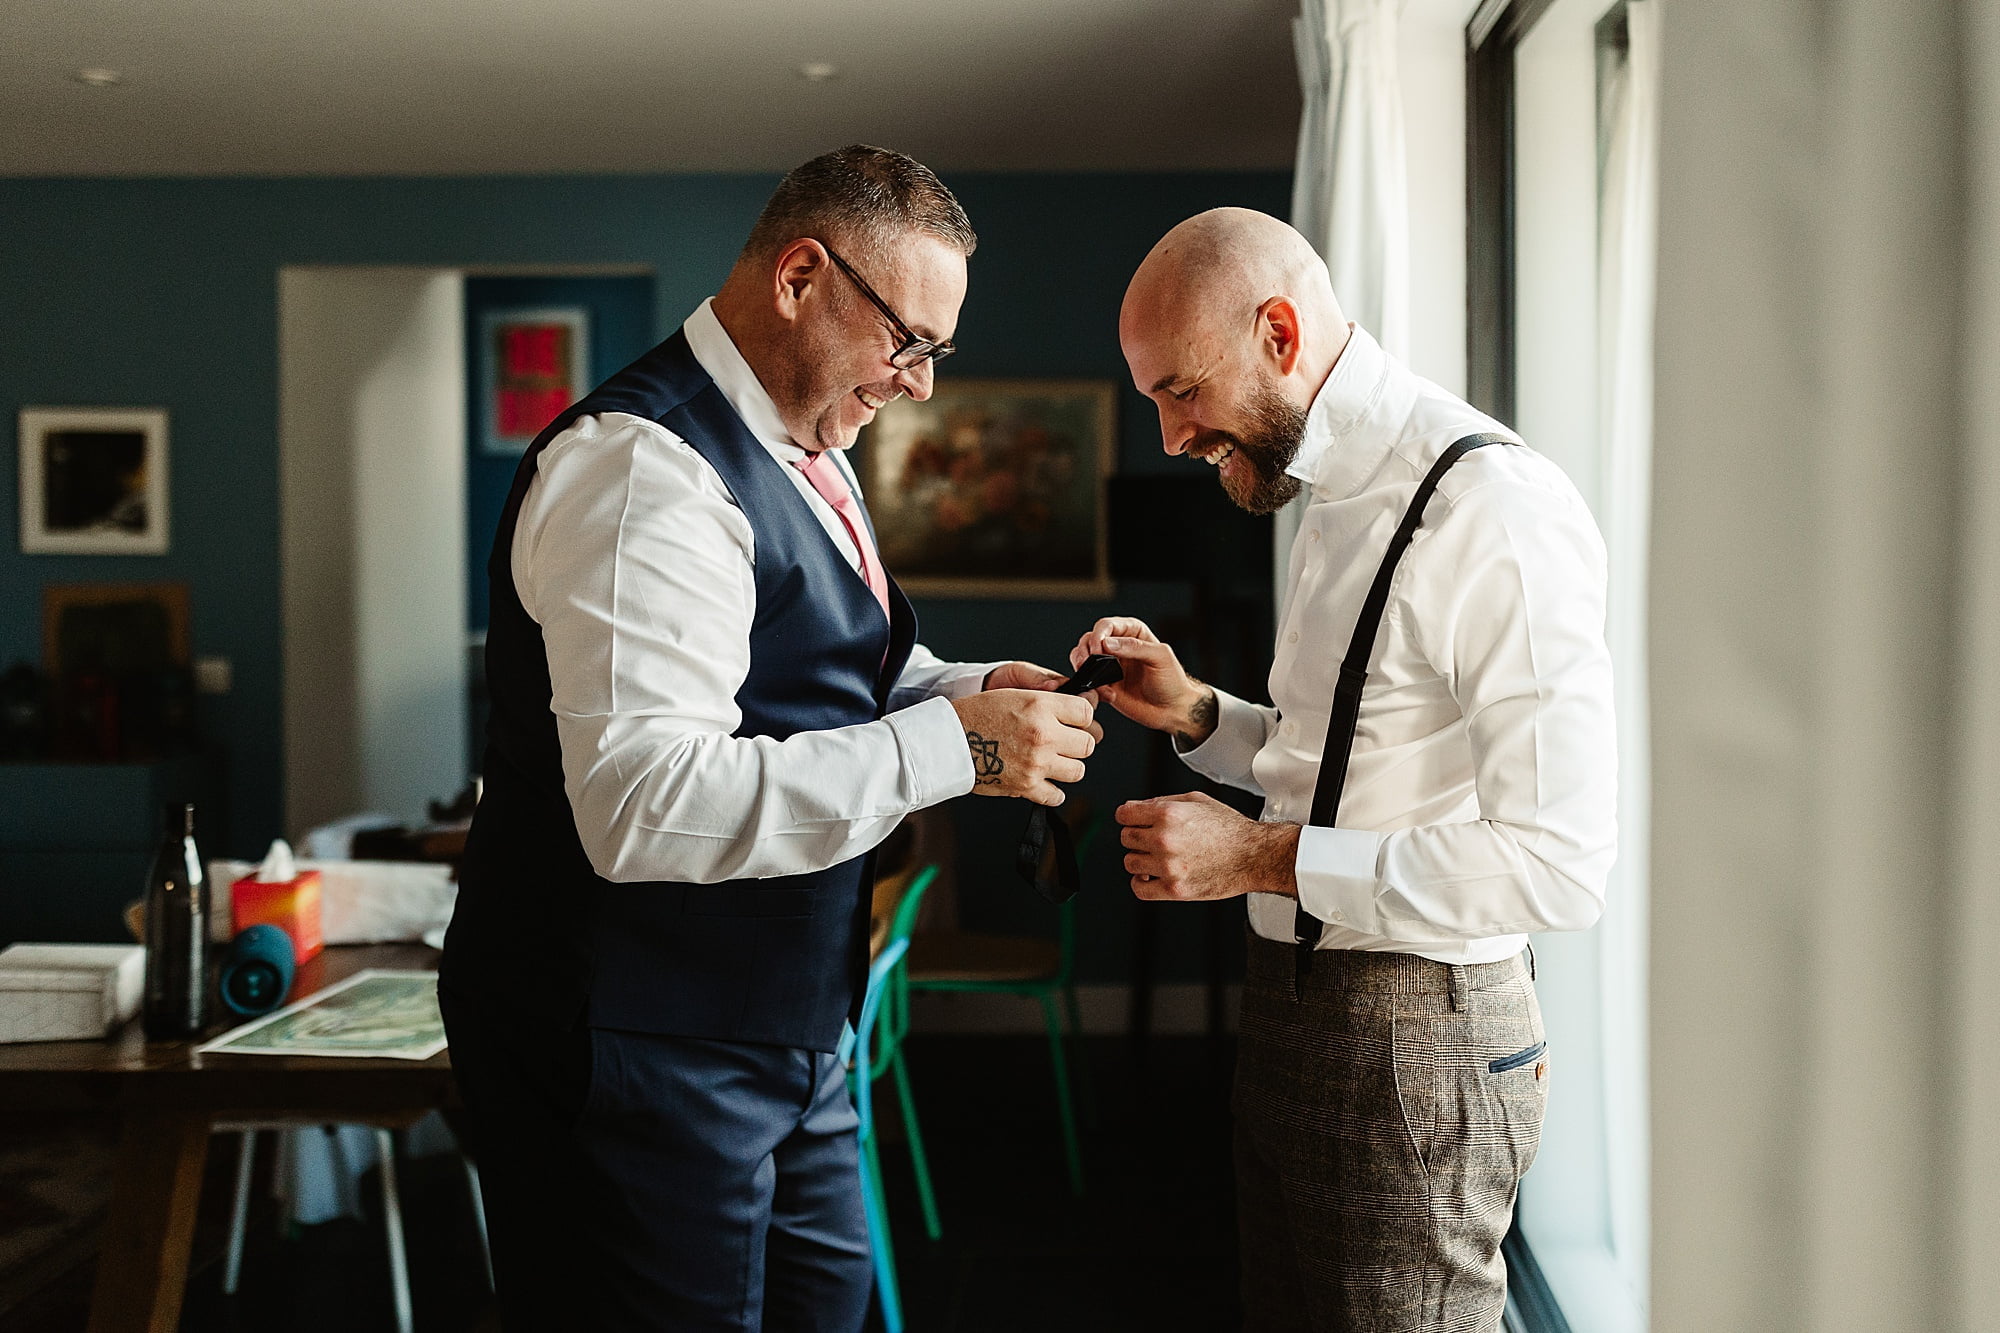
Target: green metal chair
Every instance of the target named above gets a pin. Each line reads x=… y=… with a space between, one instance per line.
x=854 y=1047
x=902 y=901
x=876 y=1048
x=1032 y=967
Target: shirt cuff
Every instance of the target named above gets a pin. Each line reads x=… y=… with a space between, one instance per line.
x=1226 y=755
x=935 y=757
x=962 y=681
x=1337 y=879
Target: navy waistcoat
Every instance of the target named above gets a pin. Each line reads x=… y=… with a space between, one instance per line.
x=540 y=934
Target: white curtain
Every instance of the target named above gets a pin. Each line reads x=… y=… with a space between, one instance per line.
x=1350 y=190
x=1628 y=176
x=1826 y=669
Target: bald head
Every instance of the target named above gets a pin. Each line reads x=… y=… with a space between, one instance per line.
x=1230 y=326
x=1212 y=273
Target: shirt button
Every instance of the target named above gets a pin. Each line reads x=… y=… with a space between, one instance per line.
x=1293 y=637
x=1335 y=916
x=1313 y=535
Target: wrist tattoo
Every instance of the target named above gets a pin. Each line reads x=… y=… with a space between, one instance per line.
x=987 y=765
x=1201 y=716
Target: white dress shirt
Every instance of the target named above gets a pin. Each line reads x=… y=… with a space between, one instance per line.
x=1480 y=798
x=632 y=556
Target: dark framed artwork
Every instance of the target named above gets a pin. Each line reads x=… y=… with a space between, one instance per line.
x=118 y=656
x=93 y=480
x=994 y=488
x=532 y=364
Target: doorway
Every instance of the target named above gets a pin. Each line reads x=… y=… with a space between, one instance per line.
x=371 y=462
x=389 y=493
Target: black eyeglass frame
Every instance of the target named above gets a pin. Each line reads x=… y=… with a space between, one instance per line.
x=914 y=349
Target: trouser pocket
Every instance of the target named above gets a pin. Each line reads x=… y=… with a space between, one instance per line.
x=1517 y=1059
x=1477 y=1116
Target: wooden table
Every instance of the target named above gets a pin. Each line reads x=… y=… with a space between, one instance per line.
x=167 y=1098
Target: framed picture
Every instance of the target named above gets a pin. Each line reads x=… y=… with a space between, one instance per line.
x=994 y=488
x=532 y=364
x=93 y=480
x=117 y=657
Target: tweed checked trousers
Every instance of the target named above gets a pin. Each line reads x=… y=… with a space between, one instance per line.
x=1384 y=1118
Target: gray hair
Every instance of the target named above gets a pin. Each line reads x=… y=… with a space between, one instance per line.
x=863 y=197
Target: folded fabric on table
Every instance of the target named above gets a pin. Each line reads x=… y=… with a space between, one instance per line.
x=361 y=902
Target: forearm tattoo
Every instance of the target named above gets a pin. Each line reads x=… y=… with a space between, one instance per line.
x=987 y=765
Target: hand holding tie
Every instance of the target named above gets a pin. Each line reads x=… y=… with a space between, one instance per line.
x=1024 y=741
x=1157 y=692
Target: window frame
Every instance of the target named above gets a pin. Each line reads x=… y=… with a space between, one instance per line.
x=1492 y=35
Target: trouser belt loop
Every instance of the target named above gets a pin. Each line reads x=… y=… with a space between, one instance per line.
x=1454 y=986
x=1302 y=961
x=1531 y=960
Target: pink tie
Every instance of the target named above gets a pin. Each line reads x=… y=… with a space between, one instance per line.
x=826 y=478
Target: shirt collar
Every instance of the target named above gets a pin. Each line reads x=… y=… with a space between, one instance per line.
x=716 y=351
x=1328 y=459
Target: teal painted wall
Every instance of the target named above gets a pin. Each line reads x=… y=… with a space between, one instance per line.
x=164 y=292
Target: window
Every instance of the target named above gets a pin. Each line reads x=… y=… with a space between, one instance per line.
x=1560 y=117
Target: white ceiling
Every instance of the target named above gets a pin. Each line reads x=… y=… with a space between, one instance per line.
x=331 y=87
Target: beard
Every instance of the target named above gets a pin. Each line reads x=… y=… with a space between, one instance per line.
x=1273 y=429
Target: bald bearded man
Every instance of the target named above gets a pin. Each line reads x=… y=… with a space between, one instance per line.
x=1392 y=1070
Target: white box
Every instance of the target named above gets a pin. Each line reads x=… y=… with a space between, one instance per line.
x=69 y=992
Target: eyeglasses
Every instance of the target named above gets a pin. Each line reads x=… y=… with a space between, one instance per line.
x=913 y=350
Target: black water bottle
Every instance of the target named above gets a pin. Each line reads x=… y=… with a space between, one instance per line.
x=176 y=934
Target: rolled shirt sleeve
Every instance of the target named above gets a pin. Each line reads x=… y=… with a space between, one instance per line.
x=634 y=559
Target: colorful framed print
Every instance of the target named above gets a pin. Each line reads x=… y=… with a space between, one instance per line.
x=532 y=364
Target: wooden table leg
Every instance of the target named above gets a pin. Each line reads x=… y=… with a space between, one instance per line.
x=143 y=1262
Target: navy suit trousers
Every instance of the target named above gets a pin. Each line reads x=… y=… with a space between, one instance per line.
x=641 y=1182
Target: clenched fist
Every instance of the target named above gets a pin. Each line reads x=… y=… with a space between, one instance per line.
x=1023 y=742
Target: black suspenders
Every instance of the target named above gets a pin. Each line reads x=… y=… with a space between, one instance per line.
x=1340 y=726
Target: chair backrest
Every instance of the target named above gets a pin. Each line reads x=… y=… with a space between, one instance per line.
x=925 y=837
x=895 y=1024
x=886 y=965
x=904 y=918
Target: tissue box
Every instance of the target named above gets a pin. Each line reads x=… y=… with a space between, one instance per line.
x=361 y=902
x=292 y=905
x=69 y=992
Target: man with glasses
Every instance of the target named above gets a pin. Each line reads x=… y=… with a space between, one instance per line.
x=708 y=706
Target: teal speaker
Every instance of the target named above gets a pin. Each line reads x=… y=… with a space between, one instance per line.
x=257 y=973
